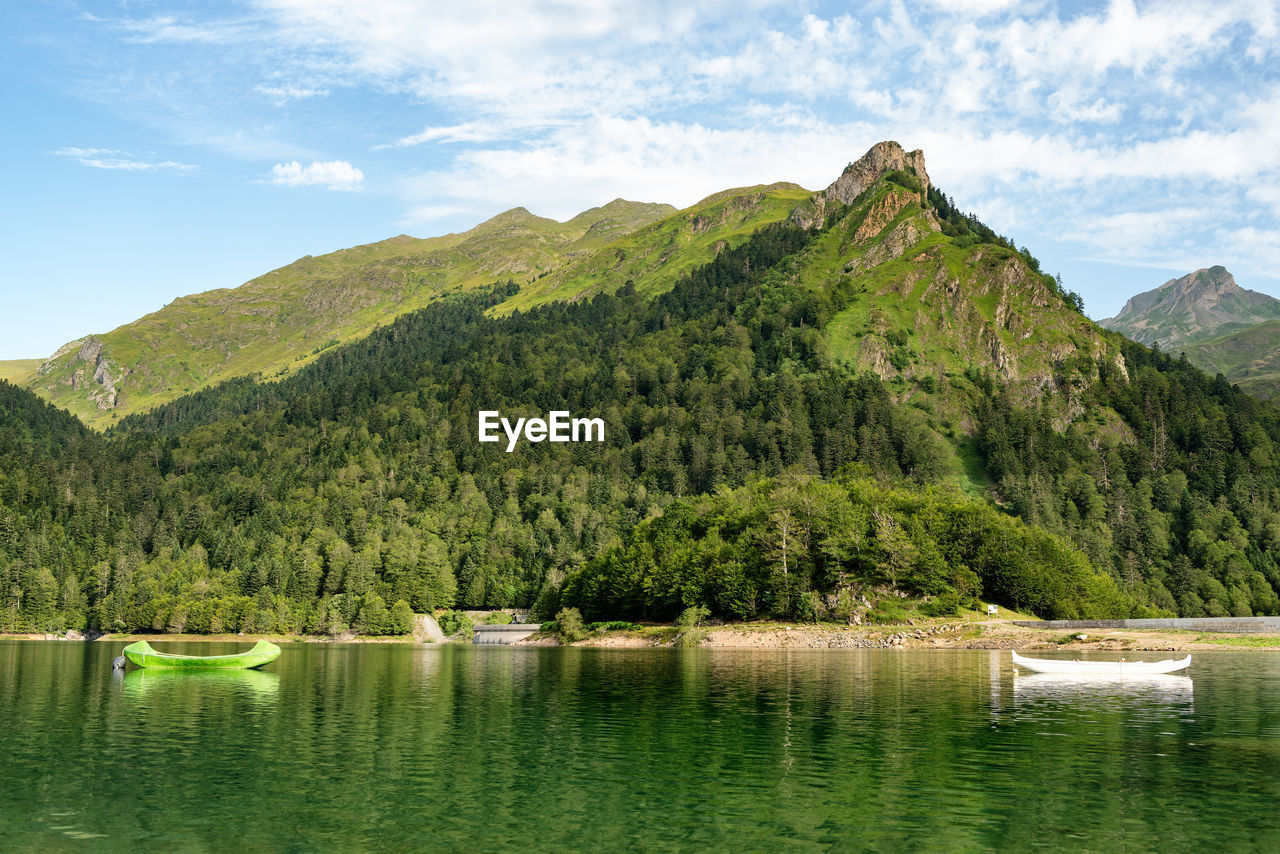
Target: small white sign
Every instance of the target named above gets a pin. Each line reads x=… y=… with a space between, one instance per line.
x=993 y=611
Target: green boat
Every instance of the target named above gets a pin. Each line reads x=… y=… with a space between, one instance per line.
x=141 y=654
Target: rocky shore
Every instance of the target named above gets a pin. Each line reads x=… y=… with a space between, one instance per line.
x=989 y=634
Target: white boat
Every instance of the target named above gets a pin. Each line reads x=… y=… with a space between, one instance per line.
x=1103 y=669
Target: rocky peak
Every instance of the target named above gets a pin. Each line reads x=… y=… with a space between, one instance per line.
x=1199 y=304
x=880 y=159
x=1208 y=284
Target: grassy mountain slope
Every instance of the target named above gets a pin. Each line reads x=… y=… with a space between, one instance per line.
x=19 y=371
x=929 y=306
x=1249 y=357
x=281 y=320
x=654 y=257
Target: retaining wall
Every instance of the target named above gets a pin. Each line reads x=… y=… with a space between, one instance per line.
x=510 y=633
x=1230 y=625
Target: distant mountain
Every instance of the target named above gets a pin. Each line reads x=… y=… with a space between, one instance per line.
x=1222 y=327
x=1200 y=305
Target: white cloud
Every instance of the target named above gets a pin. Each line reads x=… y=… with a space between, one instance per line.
x=1267 y=193
x=331 y=174
x=1141 y=235
x=521 y=58
x=1261 y=246
x=477 y=131
x=973 y=8
x=106 y=158
x=291 y=93
x=571 y=169
x=168 y=28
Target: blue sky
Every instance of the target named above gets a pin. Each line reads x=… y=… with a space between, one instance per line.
x=157 y=149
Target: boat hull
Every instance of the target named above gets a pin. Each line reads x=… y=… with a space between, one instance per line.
x=1101 y=669
x=142 y=655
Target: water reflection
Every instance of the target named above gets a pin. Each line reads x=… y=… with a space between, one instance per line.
x=1069 y=688
x=200 y=685
x=371 y=747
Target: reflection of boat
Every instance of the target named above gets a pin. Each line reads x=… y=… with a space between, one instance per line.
x=1101 y=669
x=141 y=654
x=1073 y=689
x=204 y=683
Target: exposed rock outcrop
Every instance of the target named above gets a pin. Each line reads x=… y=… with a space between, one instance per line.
x=88 y=371
x=880 y=159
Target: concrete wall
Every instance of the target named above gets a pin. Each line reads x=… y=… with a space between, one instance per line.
x=1233 y=625
x=509 y=633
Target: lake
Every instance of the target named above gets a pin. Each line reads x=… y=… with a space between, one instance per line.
x=397 y=747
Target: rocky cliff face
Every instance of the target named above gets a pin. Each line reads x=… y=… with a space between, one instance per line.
x=927 y=306
x=881 y=159
x=860 y=176
x=88 y=372
x=1197 y=306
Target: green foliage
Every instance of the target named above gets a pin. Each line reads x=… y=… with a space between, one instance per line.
x=903 y=178
x=692 y=617
x=944 y=605
x=569 y=625
x=361 y=474
x=1185 y=515
x=456 y=623
x=653 y=259
x=401 y=620
x=761 y=550
x=689 y=626
x=498 y=618
x=888 y=612
x=613 y=626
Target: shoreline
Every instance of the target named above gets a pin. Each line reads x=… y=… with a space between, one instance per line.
x=933 y=634
x=941 y=634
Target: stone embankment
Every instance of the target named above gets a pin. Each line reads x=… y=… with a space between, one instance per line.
x=944 y=635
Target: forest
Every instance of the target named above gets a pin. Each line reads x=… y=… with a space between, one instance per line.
x=742 y=471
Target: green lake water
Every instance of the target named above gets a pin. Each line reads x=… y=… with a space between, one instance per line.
x=456 y=748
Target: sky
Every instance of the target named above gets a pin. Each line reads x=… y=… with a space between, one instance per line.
x=157 y=149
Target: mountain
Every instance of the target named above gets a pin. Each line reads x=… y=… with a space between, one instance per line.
x=869 y=402
x=1204 y=304
x=1221 y=327
x=279 y=321
x=275 y=324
